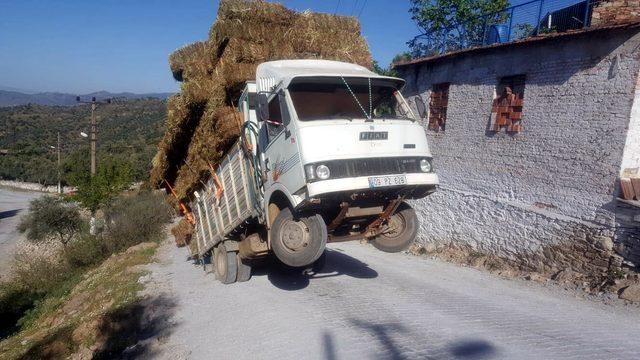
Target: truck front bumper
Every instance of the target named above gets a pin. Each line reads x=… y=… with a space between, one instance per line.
x=362 y=183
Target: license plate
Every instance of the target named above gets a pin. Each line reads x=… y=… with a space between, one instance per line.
x=382 y=181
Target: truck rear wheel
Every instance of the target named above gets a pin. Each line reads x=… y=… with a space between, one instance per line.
x=399 y=232
x=298 y=241
x=226 y=265
x=244 y=269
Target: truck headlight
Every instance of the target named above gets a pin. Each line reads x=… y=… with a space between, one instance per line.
x=322 y=171
x=425 y=165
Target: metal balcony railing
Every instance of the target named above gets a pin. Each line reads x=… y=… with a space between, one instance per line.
x=513 y=23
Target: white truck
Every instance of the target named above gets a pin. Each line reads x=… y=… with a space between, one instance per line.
x=330 y=152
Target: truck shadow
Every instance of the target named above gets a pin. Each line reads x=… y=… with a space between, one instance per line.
x=336 y=264
x=9 y=213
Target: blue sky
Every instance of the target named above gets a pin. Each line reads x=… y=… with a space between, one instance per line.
x=80 y=46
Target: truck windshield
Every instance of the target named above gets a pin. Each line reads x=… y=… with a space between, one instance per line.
x=326 y=98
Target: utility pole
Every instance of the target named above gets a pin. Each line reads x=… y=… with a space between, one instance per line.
x=59 y=167
x=94 y=140
x=94 y=137
x=58 y=150
x=94 y=125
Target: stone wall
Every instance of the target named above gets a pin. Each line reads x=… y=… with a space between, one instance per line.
x=607 y=12
x=544 y=196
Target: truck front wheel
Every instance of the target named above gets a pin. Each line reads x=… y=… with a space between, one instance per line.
x=298 y=241
x=399 y=232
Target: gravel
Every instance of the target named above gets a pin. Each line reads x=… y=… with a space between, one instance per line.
x=366 y=304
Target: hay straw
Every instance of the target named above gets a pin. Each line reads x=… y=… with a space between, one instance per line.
x=200 y=125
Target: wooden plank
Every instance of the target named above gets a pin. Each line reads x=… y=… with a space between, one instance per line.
x=635 y=183
x=635 y=203
x=627 y=189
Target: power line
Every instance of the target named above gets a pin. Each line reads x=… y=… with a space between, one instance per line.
x=353 y=8
x=337 y=7
x=362 y=8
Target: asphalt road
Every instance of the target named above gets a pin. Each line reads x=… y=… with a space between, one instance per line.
x=366 y=304
x=13 y=203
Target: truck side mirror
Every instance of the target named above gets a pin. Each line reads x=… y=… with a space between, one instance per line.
x=263 y=106
x=422 y=108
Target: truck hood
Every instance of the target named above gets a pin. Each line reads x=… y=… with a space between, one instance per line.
x=341 y=139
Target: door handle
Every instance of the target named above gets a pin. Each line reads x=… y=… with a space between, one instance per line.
x=287 y=133
x=266 y=165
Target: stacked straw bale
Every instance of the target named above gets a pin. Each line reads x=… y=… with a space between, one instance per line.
x=182 y=232
x=202 y=122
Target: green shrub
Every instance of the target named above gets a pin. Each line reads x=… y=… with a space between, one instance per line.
x=133 y=219
x=51 y=218
x=85 y=250
x=40 y=274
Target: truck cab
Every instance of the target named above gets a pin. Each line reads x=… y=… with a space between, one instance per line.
x=340 y=153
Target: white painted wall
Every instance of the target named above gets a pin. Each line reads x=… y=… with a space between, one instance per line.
x=552 y=184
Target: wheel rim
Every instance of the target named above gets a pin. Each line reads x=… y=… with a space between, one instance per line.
x=221 y=262
x=395 y=226
x=294 y=235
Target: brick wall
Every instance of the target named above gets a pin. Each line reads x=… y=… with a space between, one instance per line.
x=606 y=12
x=543 y=196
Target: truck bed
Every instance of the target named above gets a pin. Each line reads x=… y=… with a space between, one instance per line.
x=217 y=218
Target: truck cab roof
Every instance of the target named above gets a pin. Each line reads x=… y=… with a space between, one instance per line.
x=270 y=75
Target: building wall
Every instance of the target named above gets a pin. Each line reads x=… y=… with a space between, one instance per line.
x=631 y=154
x=544 y=196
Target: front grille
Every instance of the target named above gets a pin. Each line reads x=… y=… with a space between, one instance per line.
x=373 y=166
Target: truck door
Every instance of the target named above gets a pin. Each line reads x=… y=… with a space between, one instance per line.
x=282 y=158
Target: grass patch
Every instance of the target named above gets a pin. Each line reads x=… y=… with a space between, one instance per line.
x=89 y=275
x=77 y=317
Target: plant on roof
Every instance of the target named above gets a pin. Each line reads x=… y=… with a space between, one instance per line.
x=453 y=24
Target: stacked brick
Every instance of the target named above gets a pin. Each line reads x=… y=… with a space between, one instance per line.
x=438 y=107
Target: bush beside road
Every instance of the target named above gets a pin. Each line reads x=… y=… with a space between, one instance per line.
x=44 y=282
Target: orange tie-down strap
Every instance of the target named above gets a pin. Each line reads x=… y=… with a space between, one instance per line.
x=183 y=207
x=216 y=180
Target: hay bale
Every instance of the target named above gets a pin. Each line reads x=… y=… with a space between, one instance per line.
x=201 y=90
x=201 y=126
x=191 y=61
x=182 y=232
x=218 y=129
x=331 y=37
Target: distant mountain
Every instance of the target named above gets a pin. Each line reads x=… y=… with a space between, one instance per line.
x=13 y=98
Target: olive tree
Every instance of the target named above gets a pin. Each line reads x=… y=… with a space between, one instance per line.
x=51 y=218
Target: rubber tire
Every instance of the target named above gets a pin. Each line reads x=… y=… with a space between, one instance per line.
x=405 y=238
x=317 y=234
x=244 y=270
x=226 y=265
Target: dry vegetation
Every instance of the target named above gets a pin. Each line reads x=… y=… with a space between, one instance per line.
x=84 y=320
x=65 y=299
x=202 y=121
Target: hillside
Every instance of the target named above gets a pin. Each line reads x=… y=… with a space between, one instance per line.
x=128 y=130
x=15 y=98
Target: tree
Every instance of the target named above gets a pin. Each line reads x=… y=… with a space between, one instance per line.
x=453 y=24
x=112 y=176
x=51 y=218
x=388 y=71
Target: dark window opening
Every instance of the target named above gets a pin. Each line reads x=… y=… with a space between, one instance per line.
x=274 y=124
x=507 y=106
x=438 y=107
